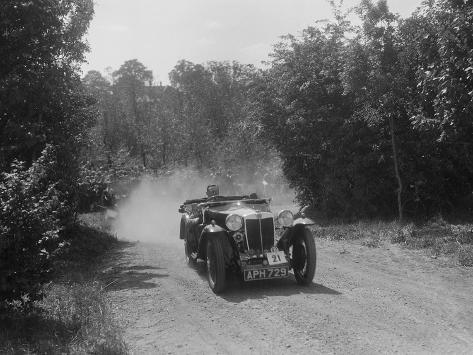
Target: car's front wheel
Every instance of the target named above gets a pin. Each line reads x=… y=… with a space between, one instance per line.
x=304 y=257
x=215 y=265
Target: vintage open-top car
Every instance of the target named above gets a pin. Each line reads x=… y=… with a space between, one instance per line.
x=238 y=233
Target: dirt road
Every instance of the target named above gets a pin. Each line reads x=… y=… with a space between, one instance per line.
x=362 y=301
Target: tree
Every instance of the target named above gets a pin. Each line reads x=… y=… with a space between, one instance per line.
x=39 y=86
x=306 y=112
x=44 y=115
x=197 y=90
x=446 y=73
x=386 y=108
x=442 y=110
x=383 y=86
x=130 y=82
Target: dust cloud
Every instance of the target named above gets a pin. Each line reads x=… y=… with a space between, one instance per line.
x=150 y=212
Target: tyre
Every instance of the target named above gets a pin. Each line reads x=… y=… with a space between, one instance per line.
x=304 y=257
x=188 y=251
x=215 y=265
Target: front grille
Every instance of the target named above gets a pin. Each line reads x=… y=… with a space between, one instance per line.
x=256 y=236
x=252 y=234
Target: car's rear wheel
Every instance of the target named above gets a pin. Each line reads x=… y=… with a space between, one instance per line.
x=304 y=257
x=215 y=265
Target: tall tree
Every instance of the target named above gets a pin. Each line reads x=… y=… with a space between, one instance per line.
x=384 y=86
x=130 y=82
x=195 y=85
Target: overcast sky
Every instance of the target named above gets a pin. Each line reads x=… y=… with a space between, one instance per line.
x=160 y=32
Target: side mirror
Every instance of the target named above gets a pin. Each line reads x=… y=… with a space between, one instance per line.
x=181 y=209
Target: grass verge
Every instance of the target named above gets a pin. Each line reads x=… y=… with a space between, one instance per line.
x=437 y=236
x=74 y=316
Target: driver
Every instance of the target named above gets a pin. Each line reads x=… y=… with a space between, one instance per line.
x=212 y=190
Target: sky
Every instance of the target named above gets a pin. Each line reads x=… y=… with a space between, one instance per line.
x=159 y=33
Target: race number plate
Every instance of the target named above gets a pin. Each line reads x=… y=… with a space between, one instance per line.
x=276 y=258
x=266 y=273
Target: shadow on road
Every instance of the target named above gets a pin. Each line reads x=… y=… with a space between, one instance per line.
x=121 y=274
x=238 y=290
x=130 y=277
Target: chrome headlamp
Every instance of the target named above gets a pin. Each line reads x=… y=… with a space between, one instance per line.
x=234 y=222
x=285 y=218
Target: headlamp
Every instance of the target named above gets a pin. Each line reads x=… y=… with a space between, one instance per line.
x=285 y=218
x=234 y=222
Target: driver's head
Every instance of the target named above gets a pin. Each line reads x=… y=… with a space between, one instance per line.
x=212 y=190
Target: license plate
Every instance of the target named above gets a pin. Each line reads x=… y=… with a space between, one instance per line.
x=276 y=258
x=266 y=273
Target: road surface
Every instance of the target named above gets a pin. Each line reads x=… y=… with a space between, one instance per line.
x=362 y=301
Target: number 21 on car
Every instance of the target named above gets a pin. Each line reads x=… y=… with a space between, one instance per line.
x=276 y=258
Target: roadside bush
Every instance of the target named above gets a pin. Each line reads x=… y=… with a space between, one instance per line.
x=465 y=255
x=403 y=234
x=96 y=179
x=440 y=237
x=463 y=233
x=92 y=186
x=82 y=246
x=372 y=232
x=444 y=246
x=30 y=210
x=373 y=241
x=83 y=310
x=73 y=315
x=70 y=319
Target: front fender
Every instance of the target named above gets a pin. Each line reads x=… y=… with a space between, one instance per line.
x=215 y=232
x=213 y=229
x=290 y=233
x=303 y=221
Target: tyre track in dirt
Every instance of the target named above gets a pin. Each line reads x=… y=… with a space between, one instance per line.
x=384 y=300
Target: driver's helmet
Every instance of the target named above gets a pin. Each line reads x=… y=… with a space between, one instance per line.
x=212 y=190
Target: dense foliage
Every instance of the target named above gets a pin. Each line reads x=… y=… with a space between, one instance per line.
x=30 y=211
x=369 y=120
x=44 y=114
x=374 y=120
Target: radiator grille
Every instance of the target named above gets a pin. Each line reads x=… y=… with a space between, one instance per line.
x=260 y=233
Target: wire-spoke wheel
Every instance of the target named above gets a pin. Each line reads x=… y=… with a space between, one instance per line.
x=215 y=265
